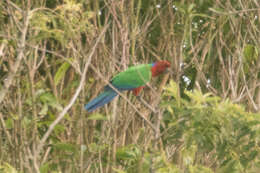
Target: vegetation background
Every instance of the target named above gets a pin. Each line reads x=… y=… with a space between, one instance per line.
x=56 y=55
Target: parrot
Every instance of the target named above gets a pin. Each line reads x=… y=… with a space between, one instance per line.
x=134 y=79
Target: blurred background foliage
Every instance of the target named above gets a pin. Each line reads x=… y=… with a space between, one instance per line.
x=207 y=108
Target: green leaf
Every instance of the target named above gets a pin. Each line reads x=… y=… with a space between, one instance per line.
x=95 y=148
x=56 y=105
x=97 y=116
x=232 y=166
x=6 y=168
x=128 y=153
x=50 y=100
x=61 y=73
x=47 y=97
x=118 y=170
x=45 y=168
x=66 y=147
x=173 y=90
x=250 y=54
x=253 y=155
x=199 y=169
x=44 y=110
x=26 y=122
x=191 y=7
x=9 y=123
x=59 y=128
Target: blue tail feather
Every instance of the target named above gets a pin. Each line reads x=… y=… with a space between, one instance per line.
x=100 y=100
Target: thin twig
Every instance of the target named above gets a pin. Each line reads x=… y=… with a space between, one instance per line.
x=6 y=131
x=21 y=47
x=233 y=12
x=248 y=92
x=73 y=99
x=14 y=5
x=146 y=104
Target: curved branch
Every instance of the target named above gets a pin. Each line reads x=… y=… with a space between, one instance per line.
x=21 y=47
x=73 y=99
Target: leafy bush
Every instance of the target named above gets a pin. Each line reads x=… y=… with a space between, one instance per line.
x=209 y=131
x=200 y=134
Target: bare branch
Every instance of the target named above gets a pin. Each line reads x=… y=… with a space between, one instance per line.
x=73 y=99
x=21 y=47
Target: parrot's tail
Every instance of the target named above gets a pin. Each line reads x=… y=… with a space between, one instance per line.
x=100 y=100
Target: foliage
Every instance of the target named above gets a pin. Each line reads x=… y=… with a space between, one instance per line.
x=218 y=134
x=5 y=167
x=205 y=121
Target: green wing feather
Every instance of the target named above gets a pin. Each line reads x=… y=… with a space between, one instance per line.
x=133 y=77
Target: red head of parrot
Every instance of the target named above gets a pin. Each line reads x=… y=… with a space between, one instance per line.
x=159 y=67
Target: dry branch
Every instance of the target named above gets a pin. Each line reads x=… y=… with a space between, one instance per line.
x=73 y=99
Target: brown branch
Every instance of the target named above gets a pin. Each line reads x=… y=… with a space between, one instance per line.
x=234 y=12
x=6 y=131
x=21 y=47
x=73 y=99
